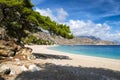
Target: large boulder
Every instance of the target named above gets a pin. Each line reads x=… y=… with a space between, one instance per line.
x=8 y=48
x=25 y=53
x=11 y=48
x=6 y=53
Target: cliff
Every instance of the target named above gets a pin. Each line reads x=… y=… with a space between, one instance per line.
x=75 y=41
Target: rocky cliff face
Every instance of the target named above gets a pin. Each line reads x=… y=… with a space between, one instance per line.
x=82 y=41
x=75 y=41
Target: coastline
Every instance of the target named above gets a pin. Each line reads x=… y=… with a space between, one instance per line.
x=76 y=60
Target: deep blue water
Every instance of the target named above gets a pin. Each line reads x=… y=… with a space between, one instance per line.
x=106 y=51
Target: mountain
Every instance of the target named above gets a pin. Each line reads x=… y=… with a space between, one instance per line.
x=118 y=42
x=90 y=37
x=75 y=41
x=82 y=41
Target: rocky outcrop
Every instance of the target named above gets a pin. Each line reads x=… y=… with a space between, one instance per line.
x=8 y=48
x=25 y=53
x=12 y=49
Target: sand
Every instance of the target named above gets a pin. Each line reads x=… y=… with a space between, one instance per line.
x=76 y=60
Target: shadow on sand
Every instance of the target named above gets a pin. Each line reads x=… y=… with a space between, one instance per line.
x=49 y=56
x=58 y=72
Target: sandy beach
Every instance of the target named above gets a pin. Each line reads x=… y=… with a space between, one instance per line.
x=56 y=65
x=76 y=60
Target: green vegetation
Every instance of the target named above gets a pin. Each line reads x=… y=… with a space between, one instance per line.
x=32 y=39
x=19 y=19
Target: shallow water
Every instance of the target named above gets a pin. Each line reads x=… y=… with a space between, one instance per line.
x=105 y=51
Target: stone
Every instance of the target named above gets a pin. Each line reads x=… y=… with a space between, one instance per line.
x=17 y=61
x=4 y=70
x=31 y=57
x=33 y=68
x=25 y=53
x=7 y=53
x=11 y=54
x=12 y=73
x=8 y=48
x=24 y=68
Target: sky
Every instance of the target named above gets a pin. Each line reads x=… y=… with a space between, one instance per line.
x=100 y=18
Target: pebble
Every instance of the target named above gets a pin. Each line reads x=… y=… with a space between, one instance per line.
x=24 y=68
x=33 y=68
x=12 y=73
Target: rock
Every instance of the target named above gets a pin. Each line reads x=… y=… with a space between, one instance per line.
x=4 y=70
x=34 y=68
x=2 y=78
x=11 y=53
x=31 y=57
x=7 y=71
x=24 y=68
x=12 y=73
x=25 y=52
x=17 y=61
x=7 y=53
x=8 y=48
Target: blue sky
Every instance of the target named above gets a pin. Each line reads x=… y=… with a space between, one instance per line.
x=99 y=18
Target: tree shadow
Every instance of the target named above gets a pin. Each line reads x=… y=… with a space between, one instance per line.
x=58 y=72
x=49 y=56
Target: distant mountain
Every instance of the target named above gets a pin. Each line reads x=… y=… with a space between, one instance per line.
x=118 y=42
x=90 y=37
x=83 y=40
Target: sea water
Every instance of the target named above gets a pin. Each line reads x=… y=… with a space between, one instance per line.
x=105 y=51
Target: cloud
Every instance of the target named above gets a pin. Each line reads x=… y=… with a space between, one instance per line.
x=89 y=28
x=58 y=15
x=80 y=27
x=61 y=14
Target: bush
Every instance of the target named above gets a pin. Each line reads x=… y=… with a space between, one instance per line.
x=32 y=39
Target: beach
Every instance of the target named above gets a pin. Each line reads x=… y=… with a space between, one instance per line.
x=55 y=65
x=76 y=60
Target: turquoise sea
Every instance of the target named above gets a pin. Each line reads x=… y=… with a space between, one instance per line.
x=105 y=51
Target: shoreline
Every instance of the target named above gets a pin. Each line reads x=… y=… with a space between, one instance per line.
x=83 y=54
x=75 y=59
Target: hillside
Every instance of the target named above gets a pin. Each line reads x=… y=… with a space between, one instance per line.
x=75 y=41
x=20 y=21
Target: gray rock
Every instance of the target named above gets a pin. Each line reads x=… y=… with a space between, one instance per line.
x=11 y=53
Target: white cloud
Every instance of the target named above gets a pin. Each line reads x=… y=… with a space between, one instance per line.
x=89 y=28
x=60 y=17
x=61 y=14
x=79 y=27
